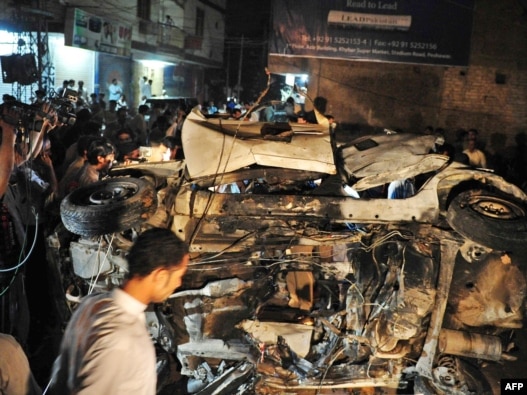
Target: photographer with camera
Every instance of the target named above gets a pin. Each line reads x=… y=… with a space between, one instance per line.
x=24 y=140
x=14 y=312
x=14 y=324
x=29 y=186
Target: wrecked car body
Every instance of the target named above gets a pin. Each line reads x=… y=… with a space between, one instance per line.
x=297 y=280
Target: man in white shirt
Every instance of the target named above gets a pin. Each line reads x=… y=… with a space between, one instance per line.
x=114 y=90
x=145 y=88
x=148 y=89
x=106 y=348
x=476 y=157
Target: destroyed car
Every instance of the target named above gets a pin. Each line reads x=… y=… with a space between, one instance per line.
x=300 y=277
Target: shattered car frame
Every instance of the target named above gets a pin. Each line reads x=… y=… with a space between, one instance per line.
x=297 y=280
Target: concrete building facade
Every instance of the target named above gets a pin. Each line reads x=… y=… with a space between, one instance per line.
x=170 y=42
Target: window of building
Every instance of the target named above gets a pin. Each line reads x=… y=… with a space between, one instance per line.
x=200 y=22
x=143 y=9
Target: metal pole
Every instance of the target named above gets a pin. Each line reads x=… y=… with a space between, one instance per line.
x=227 y=79
x=238 y=85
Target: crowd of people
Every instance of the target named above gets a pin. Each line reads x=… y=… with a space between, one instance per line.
x=67 y=155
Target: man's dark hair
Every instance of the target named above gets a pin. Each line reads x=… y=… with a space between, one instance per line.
x=155 y=248
x=92 y=128
x=83 y=143
x=120 y=135
x=83 y=115
x=122 y=112
x=99 y=147
x=169 y=142
x=320 y=103
x=161 y=122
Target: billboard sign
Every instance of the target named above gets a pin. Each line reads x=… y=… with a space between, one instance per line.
x=89 y=31
x=434 y=32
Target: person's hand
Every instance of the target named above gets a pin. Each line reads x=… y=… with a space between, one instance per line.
x=47 y=113
x=49 y=117
x=51 y=121
x=46 y=159
x=43 y=111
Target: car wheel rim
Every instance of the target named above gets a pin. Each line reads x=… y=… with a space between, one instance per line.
x=107 y=196
x=495 y=207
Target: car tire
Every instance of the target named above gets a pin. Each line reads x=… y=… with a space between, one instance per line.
x=108 y=206
x=492 y=220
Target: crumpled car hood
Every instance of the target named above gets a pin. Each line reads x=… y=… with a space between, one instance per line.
x=215 y=146
x=379 y=159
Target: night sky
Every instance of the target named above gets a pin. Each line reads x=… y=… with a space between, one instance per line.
x=250 y=18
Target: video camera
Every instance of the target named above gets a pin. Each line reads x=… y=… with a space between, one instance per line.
x=30 y=117
x=64 y=106
x=26 y=115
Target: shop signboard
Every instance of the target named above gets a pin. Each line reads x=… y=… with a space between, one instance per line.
x=90 y=31
x=435 y=32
